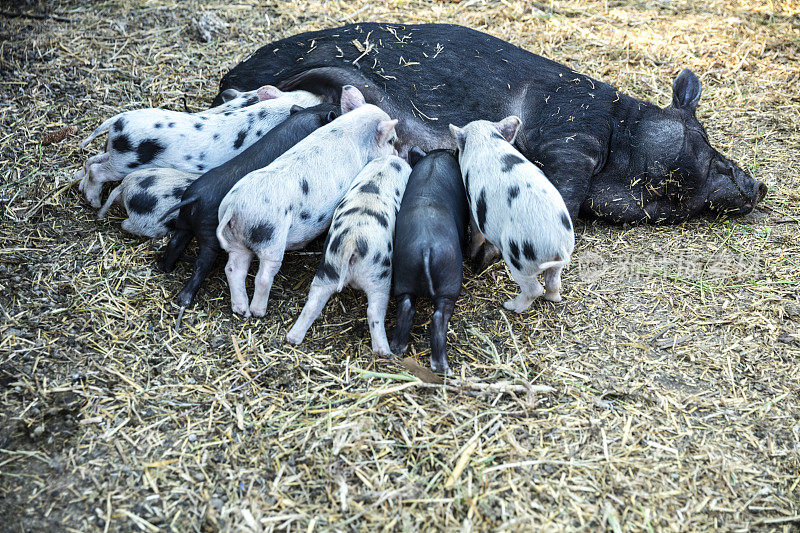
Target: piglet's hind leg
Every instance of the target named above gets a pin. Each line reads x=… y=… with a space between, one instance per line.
x=236 y=272
x=317 y=298
x=377 y=302
x=268 y=266
x=405 y=317
x=439 y=322
x=530 y=290
x=552 y=283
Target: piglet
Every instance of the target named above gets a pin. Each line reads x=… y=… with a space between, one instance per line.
x=514 y=207
x=200 y=203
x=289 y=203
x=428 y=243
x=192 y=142
x=149 y=196
x=358 y=249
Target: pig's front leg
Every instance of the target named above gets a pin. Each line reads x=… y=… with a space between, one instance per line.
x=481 y=251
x=377 y=302
x=476 y=237
x=569 y=162
x=317 y=298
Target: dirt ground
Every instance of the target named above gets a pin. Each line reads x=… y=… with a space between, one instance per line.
x=662 y=394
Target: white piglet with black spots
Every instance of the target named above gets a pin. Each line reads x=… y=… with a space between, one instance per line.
x=148 y=195
x=191 y=142
x=290 y=202
x=358 y=250
x=514 y=207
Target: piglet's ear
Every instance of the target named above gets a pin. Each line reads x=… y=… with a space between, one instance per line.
x=686 y=91
x=351 y=99
x=385 y=129
x=508 y=127
x=414 y=155
x=459 y=136
x=294 y=109
x=229 y=94
x=268 y=92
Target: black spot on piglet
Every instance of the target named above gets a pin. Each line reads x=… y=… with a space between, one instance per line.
x=198 y=125
x=177 y=192
x=239 y=139
x=513 y=192
x=147 y=182
x=119 y=125
x=481 y=211
x=361 y=246
x=396 y=166
x=370 y=187
x=121 y=143
x=304 y=186
x=527 y=251
x=509 y=160
x=566 y=221
x=326 y=270
x=261 y=233
x=149 y=150
x=142 y=203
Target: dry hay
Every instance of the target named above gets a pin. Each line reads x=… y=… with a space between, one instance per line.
x=661 y=395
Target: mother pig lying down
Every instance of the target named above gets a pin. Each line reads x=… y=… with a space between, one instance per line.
x=609 y=155
x=289 y=203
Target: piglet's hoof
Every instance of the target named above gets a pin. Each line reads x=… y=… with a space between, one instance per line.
x=441 y=367
x=383 y=350
x=517 y=306
x=552 y=297
x=241 y=310
x=294 y=337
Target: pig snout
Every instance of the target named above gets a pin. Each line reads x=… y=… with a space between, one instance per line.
x=733 y=190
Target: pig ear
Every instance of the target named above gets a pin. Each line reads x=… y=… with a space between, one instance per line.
x=414 y=155
x=385 y=129
x=294 y=109
x=459 y=135
x=268 y=92
x=351 y=99
x=508 y=127
x=229 y=94
x=686 y=91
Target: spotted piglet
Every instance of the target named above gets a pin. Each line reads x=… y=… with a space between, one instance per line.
x=515 y=207
x=291 y=202
x=148 y=196
x=358 y=250
x=191 y=142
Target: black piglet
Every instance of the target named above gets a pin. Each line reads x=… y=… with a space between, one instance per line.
x=428 y=243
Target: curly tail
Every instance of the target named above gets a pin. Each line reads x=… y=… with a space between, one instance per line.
x=426 y=266
x=103 y=127
x=180 y=205
x=558 y=261
x=113 y=195
x=352 y=256
x=227 y=218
